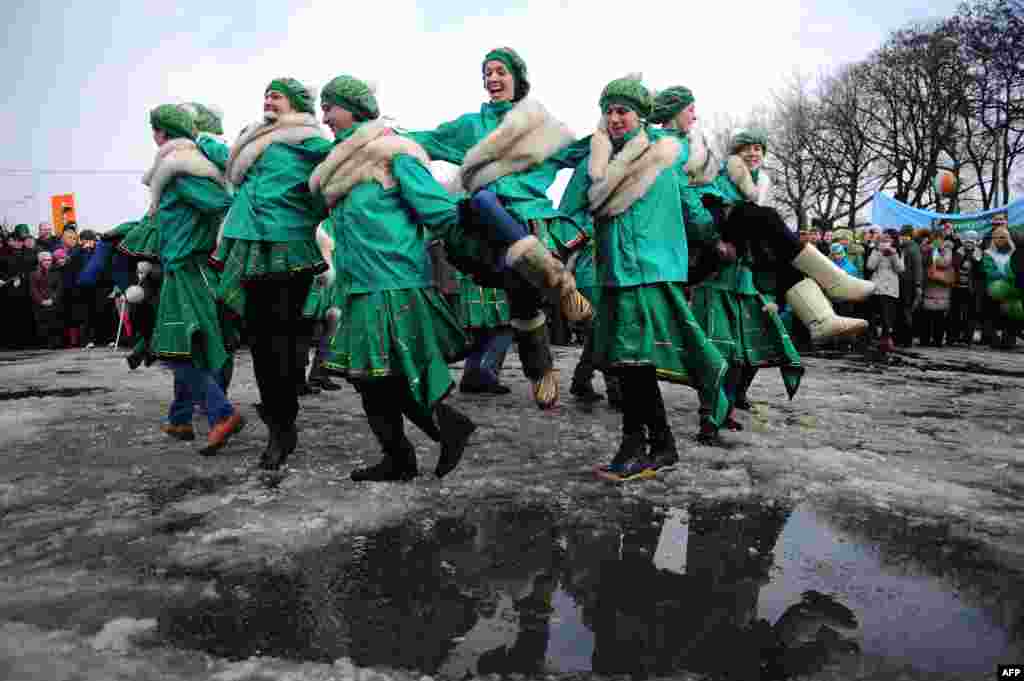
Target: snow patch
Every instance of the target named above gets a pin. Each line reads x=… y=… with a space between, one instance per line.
x=118 y=634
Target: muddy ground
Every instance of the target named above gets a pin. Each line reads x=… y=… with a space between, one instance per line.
x=870 y=528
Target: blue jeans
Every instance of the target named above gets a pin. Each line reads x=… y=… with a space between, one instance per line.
x=191 y=381
x=487 y=357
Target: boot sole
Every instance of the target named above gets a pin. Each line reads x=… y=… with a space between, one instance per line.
x=645 y=474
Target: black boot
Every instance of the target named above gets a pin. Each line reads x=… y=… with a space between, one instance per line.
x=662 y=444
x=584 y=392
x=455 y=429
x=538 y=362
x=632 y=454
x=386 y=422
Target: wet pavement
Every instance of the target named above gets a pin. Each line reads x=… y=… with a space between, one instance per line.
x=868 y=529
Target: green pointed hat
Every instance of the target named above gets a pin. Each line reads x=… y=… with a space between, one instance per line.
x=352 y=94
x=670 y=102
x=745 y=137
x=174 y=120
x=208 y=119
x=515 y=64
x=629 y=92
x=302 y=97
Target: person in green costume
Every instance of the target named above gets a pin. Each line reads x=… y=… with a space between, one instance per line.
x=267 y=252
x=509 y=154
x=645 y=330
x=742 y=322
x=397 y=335
x=188 y=201
x=320 y=309
x=800 y=274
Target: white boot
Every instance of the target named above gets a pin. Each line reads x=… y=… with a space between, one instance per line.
x=812 y=308
x=833 y=280
x=534 y=262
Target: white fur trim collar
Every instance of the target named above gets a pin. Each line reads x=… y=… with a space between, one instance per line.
x=364 y=157
x=292 y=128
x=620 y=181
x=740 y=175
x=527 y=136
x=177 y=157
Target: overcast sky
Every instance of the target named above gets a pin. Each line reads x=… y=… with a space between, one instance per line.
x=83 y=77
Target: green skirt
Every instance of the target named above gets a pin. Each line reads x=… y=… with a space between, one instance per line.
x=408 y=332
x=240 y=261
x=319 y=301
x=142 y=240
x=120 y=232
x=653 y=325
x=188 y=325
x=480 y=307
x=744 y=335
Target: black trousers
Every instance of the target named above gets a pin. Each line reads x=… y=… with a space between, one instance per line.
x=761 y=232
x=891 y=311
x=273 y=317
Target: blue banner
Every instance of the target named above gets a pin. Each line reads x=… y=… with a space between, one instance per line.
x=888 y=212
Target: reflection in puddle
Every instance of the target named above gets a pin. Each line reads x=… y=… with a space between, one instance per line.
x=747 y=590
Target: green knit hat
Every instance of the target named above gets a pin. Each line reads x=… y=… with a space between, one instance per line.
x=22 y=232
x=515 y=64
x=352 y=94
x=670 y=102
x=174 y=120
x=628 y=92
x=745 y=137
x=301 y=97
x=208 y=119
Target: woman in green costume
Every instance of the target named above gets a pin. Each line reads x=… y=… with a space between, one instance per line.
x=513 y=148
x=397 y=334
x=742 y=322
x=188 y=201
x=644 y=328
x=267 y=252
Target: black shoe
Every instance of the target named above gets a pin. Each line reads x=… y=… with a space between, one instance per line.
x=455 y=430
x=632 y=449
x=388 y=469
x=135 y=360
x=663 y=452
x=708 y=434
x=324 y=383
x=585 y=393
x=282 y=443
x=743 y=403
x=483 y=388
x=304 y=389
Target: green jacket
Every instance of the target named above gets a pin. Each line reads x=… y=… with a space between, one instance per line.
x=646 y=244
x=381 y=234
x=214 y=149
x=188 y=217
x=524 y=194
x=993 y=271
x=274 y=202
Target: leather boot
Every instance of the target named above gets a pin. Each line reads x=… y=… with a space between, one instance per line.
x=538 y=363
x=455 y=429
x=537 y=265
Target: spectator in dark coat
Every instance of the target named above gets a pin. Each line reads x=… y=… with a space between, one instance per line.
x=963 y=311
x=46 y=240
x=911 y=286
x=45 y=288
x=19 y=262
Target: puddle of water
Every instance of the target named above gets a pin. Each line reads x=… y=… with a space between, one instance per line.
x=523 y=589
x=54 y=392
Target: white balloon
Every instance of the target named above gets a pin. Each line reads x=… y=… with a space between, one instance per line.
x=135 y=294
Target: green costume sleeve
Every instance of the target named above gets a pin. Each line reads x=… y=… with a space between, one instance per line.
x=700 y=225
x=202 y=193
x=450 y=142
x=431 y=204
x=574 y=202
x=215 y=151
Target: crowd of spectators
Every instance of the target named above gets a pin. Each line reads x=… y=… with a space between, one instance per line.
x=44 y=303
x=932 y=285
